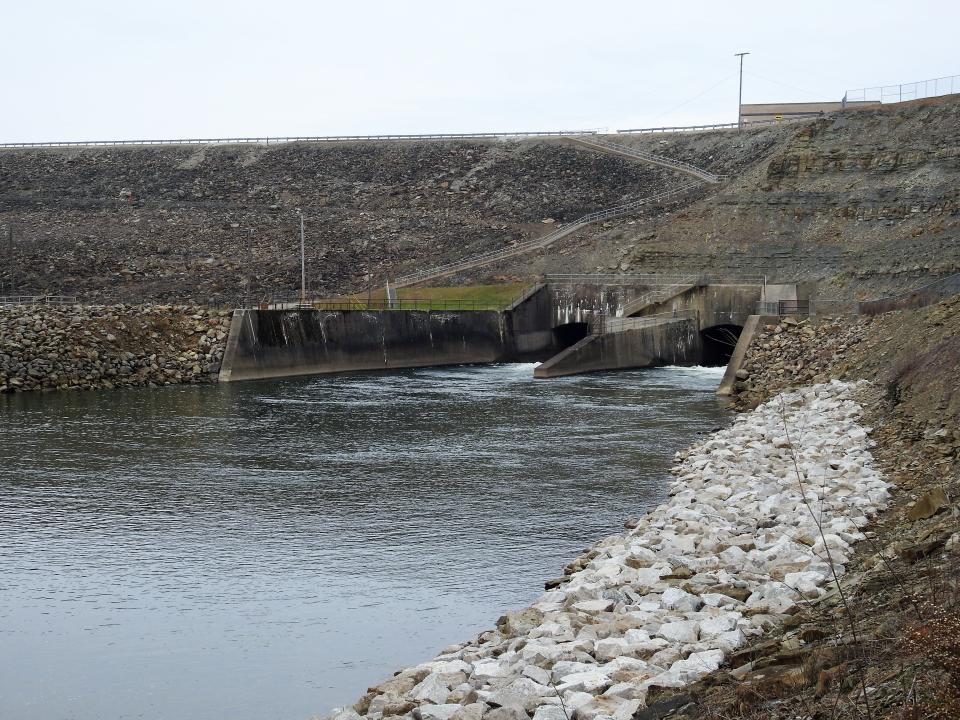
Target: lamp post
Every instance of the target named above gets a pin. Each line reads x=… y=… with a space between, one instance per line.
x=303 y=262
x=740 y=95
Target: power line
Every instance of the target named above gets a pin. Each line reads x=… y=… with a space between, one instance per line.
x=777 y=82
x=695 y=97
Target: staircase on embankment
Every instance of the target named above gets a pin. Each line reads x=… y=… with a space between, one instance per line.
x=597 y=143
x=658 y=295
x=700 y=176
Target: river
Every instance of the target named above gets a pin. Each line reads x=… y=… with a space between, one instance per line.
x=268 y=550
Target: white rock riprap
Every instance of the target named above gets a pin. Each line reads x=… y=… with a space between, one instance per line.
x=734 y=551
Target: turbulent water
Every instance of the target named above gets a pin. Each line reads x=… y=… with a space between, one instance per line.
x=267 y=550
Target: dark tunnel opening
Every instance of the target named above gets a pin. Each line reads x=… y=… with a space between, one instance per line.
x=718 y=343
x=570 y=334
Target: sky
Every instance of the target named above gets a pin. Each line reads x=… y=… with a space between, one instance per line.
x=107 y=70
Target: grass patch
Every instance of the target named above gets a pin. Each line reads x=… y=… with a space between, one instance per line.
x=461 y=297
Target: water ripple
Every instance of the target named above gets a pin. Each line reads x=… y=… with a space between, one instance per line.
x=269 y=549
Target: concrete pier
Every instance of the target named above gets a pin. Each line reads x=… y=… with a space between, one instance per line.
x=667 y=342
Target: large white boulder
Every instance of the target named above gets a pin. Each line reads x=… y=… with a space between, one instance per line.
x=682 y=631
x=680 y=600
x=436 y=712
x=592 y=681
x=523 y=692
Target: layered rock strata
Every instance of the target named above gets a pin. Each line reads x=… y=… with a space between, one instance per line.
x=85 y=347
x=760 y=520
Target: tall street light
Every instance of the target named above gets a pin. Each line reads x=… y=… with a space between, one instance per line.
x=740 y=95
x=303 y=262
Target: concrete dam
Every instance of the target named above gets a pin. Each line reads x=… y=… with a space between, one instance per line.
x=572 y=326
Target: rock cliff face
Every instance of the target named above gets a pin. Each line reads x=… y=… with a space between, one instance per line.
x=82 y=347
x=862 y=202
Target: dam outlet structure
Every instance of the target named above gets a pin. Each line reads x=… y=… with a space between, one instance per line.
x=571 y=327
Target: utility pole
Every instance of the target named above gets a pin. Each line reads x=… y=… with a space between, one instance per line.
x=740 y=95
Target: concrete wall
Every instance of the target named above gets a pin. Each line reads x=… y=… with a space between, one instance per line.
x=574 y=303
x=739 y=353
x=765 y=112
x=279 y=343
x=531 y=327
x=674 y=342
x=715 y=304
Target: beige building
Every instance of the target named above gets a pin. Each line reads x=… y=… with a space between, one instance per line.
x=767 y=112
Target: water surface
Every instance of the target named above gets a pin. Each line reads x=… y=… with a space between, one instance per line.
x=268 y=550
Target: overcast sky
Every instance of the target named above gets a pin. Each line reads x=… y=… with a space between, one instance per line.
x=86 y=70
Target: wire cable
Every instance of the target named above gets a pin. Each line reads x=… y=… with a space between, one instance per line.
x=777 y=82
x=695 y=97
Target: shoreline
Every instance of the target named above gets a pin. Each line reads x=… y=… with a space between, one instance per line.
x=664 y=604
x=86 y=347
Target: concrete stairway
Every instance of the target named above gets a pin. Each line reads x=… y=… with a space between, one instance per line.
x=598 y=143
x=592 y=141
x=658 y=295
x=493 y=256
x=604 y=324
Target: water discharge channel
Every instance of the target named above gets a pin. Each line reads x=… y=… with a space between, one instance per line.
x=268 y=550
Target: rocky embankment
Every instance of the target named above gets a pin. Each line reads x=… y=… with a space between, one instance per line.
x=761 y=517
x=889 y=646
x=177 y=222
x=86 y=347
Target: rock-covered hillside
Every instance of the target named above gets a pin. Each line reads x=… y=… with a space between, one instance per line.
x=859 y=203
x=187 y=221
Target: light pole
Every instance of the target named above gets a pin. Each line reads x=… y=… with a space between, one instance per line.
x=303 y=262
x=740 y=95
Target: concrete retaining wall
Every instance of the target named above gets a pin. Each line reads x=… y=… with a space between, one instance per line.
x=530 y=323
x=715 y=304
x=280 y=343
x=673 y=342
x=576 y=303
x=739 y=353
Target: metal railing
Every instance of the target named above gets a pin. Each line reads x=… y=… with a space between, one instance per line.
x=922 y=296
x=783 y=307
x=703 y=128
x=670 y=163
x=38 y=300
x=380 y=304
x=300 y=138
x=398 y=304
x=537 y=243
x=903 y=92
x=294 y=300
x=624 y=279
